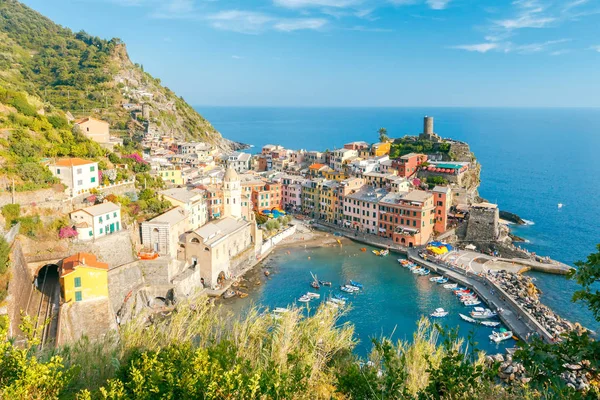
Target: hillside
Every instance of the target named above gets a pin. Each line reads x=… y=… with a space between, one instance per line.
x=86 y=75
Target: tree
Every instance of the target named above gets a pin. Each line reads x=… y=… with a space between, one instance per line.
x=588 y=276
x=383 y=137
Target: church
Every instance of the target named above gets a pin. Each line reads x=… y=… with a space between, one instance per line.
x=222 y=248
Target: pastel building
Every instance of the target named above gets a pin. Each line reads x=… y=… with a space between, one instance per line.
x=443 y=201
x=77 y=174
x=83 y=277
x=193 y=201
x=380 y=149
x=407 y=218
x=94 y=129
x=361 y=210
x=408 y=164
x=97 y=221
x=341 y=157
x=291 y=192
x=161 y=234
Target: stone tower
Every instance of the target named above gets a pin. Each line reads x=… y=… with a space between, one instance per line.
x=146 y=111
x=232 y=194
x=428 y=133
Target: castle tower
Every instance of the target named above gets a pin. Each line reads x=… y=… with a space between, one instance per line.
x=428 y=126
x=232 y=194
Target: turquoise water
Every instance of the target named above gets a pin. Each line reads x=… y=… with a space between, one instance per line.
x=532 y=160
x=391 y=303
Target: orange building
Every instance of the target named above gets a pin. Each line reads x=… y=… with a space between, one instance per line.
x=407 y=164
x=267 y=196
x=407 y=218
x=381 y=149
x=443 y=200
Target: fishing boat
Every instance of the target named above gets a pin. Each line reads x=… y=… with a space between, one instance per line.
x=443 y=280
x=325 y=283
x=483 y=313
x=358 y=285
x=363 y=249
x=468 y=319
x=340 y=297
x=412 y=267
x=435 y=278
x=241 y=295
x=313 y=295
x=349 y=289
x=338 y=301
x=489 y=324
x=460 y=289
x=384 y=253
x=500 y=336
x=376 y=252
x=472 y=303
x=467 y=298
x=315 y=284
x=417 y=270
x=424 y=272
x=439 y=313
x=450 y=286
x=304 y=299
x=228 y=294
x=355 y=288
x=280 y=310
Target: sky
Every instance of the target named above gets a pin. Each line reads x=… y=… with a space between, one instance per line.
x=345 y=53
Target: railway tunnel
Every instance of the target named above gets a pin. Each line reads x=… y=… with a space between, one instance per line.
x=45 y=304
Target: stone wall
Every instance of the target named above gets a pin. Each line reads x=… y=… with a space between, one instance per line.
x=483 y=224
x=460 y=151
x=46 y=198
x=267 y=244
x=20 y=289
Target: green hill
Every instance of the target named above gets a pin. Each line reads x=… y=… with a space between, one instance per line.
x=86 y=75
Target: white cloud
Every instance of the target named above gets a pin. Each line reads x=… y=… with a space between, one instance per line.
x=438 y=4
x=316 y=3
x=479 y=47
x=560 y=52
x=536 y=47
x=525 y=21
x=290 y=25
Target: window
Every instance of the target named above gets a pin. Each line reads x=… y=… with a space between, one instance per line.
x=92 y=168
x=107 y=217
x=57 y=171
x=93 y=179
x=79 y=183
x=79 y=171
x=78 y=296
x=101 y=230
x=91 y=233
x=77 y=282
x=115 y=214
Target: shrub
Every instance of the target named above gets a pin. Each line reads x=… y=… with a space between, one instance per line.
x=11 y=213
x=58 y=121
x=67 y=232
x=4 y=254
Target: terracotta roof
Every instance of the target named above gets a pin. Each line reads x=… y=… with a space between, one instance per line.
x=86 y=260
x=317 y=166
x=73 y=162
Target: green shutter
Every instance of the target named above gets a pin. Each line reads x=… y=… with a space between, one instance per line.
x=77 y=282
x=78 y=296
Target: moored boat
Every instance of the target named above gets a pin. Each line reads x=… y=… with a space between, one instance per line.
x=468 y=319
x=313 y=295
x=280 y=310
x=356 y=284
x=500 y=336
x=472 y=303
x=384 y=253
x=315 y=284
x=338 y=301
x=439 y=313
x=450 y=285
x=436 y=278
x=340 y=297
x=304 y=299
x=228 y=294
x=443 y=280
x=424 y=272
x=376 y=252
x=490 y=324
x=483 y=313
x=417 y=270
x=325 y=283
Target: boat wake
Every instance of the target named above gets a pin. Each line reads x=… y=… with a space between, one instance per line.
x=527 y=222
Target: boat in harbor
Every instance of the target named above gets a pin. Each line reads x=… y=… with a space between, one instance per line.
x=356 y=284
x=417 y=270
x=338 y=301
x=313 y=295
x=442 y=281
x=424 y=272
x=483 y=313
x=436 y=278
x=304 y=299
x=384 y=253
x=325 y=283
x=468 y=319
x=450 y=285
x=228 y=294
x=315 y=282
x=472 y=303
x=500 y=336
x=490 y=324
x=349 y=289
x=376 y=252
x=340 y=297
x=439 y=313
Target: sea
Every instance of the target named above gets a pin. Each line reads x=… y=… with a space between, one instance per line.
x=533 y=159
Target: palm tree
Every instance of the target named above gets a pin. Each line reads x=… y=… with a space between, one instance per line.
x=383 y=137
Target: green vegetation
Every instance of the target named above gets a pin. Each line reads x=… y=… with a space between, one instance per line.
x=383 y=136
x=407 y=145
x=433 y=181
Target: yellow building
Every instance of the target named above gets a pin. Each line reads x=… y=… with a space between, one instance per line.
x=173 y=175
x=328 y=201
x=333 y=175
x=83 y=277
x=381 y=149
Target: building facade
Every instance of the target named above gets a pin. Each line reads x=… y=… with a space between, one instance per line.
x=407 y=218
x=78 y=175
x=83 y=277
x=97 y=221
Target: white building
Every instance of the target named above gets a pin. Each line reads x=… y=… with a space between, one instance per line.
x=232 y=194
x=239 y=161
x=161 y=234
x=97 y=221
x=340 y=157
x=77 y=174
x=193 y=201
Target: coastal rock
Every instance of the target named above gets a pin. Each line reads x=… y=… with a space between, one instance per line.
x=511 y=217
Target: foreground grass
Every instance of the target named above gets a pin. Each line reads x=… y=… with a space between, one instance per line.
x=196 y=353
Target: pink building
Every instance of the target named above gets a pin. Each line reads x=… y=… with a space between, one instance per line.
x=442 y=197
x=291 y=192
x=361 y=211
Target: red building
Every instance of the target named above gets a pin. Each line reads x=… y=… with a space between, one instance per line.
x=442 y=197
x=407 y=164
x=407 y=218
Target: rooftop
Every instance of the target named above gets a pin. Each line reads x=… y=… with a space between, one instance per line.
x=171 y=217
x=87 y=260
x=181 y=194
x=73 y=162
x=215 y=231
x=101 y=209
x=441 y=189
x=418 y=196
x=368 y=193
x=87 y=119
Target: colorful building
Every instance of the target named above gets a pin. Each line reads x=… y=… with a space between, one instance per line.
x=83 y=277
x=328 y=201
x=171 y=175
x=443 y=202
x=97 y=221
x=380 y=149
x=361 y=209
x=407 y=218
x=407 y=165
x=77 y=174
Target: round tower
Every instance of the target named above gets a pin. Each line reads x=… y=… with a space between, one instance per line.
x=232 y=194
x=428 y=127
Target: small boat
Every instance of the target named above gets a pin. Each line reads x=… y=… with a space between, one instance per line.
x=228 y=294
x=460 y=289
x=436 y=278
x=325 y=283
x=363 y=249
x=500 y=336
x=490 y=324
x=280 y=310
x=358 y=285
x=315 y=284
x=348 y=289
x=241 y=295
x=483 y=313
x=376 y=252
x=304 y=299
x=332 y=304
x=338 y=301
x=439 y=313
x=450 y=286
x=340 y=297
x=424 y=272
x=412 y=267
x=313 y=295
x=267 y=273
x=355 y=288
x=472 y=303
x=468 y=319
x=384 y=253
x=467 y=298
x=443 y=280
x=417 y=270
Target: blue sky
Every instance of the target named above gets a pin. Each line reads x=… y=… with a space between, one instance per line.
x=522 y=53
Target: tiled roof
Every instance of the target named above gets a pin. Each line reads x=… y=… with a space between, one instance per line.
x=73 y=162
x=87 y=260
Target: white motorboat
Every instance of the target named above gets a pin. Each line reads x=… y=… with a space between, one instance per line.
x=304 y=299
x=491 y=324
x=280 y=310
x=483 y=313
x=468 y=319
x=332 y=304
x=439 y=313
x=467 y=297
x=500 y=336
x=436 y=278
x=472 y=303
x=337 y=301
x=450 y=285
x=313 y=295
x=418 y=270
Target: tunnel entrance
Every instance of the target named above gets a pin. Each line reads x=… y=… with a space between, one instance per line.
x=46 y=302
x=47 y=278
